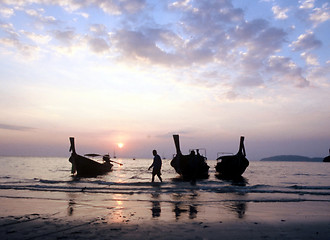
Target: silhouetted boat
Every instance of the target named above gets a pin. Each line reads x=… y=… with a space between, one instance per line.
x=189 y=166
x=87 y=167
x=233 y=166
x=327 y=159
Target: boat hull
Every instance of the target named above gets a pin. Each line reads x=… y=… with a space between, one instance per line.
x=87 y=167
x=190 y=167
x=326 y=159
x=232 y=166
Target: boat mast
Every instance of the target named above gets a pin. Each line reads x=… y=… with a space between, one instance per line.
x=177 y=144
x=241 y=150
x=72 y=146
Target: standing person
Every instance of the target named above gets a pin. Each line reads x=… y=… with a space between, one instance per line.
x=193 y=166
x=157 y=165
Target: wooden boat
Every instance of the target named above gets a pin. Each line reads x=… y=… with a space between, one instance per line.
x=233 y=166
x=327 y=159
x=87 y=167
x=189 y=166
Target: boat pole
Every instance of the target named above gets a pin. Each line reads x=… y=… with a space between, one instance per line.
x=241 y=150
x=177 y=144
x=72 y=159
x=116 y=162
x=72 y=147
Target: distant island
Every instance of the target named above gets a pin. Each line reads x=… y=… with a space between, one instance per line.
x=292 y=158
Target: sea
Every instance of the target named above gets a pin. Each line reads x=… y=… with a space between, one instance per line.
x=128 y=189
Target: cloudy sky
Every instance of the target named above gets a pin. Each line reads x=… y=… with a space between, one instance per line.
x=137 y=71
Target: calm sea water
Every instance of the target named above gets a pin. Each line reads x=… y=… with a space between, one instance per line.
x=129 y=186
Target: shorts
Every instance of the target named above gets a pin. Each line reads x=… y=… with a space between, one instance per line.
x=156 y=172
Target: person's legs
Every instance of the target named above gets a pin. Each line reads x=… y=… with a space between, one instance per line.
x=160 y=178
x=153 y=177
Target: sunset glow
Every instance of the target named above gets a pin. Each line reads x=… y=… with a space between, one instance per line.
x=142 y=70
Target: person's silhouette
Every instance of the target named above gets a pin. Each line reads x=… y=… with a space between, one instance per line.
x=157 y=165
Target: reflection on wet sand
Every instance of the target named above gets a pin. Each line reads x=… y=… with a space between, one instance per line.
x=155 y=209
x=71 y=207
x=238 y=207
x=192 y=211
x=71 y=204
x=181 y=206
x=178 y=209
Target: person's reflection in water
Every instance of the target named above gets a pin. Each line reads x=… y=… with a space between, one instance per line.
x=178 y=210
x=70 y=207
x=240 y=206
x=240 y=209
x=155 y=209
x=192 y=211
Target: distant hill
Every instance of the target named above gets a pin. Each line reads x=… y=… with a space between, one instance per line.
x=292 y=158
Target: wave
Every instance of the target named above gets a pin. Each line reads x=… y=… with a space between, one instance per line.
x=310 y=187
x=181 y=201
x=105 y=187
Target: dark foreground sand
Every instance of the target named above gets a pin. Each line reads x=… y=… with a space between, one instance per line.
x=52 y=219
x=49 y=227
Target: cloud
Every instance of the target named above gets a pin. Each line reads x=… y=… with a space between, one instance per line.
x=13 y=40
x=37 y=38
x=184 y=4
x=310 y=59
x=213 y=35
x=98 y=42
x=138 y=45
x=6 y=12
x=98 y=45
x=286 y=71
x=316 y=15
x=110 y=7
x=15 y=127
x=306 y=4
x=120 y=7
x=264 y=43
x=255 y=41
x=249 y=29
x=65 y=36
x=98 y=29
x=205 y=17
x=280 y=13
x=250 y=80
x=38 y=17
x=306 y=42
x=320 y=15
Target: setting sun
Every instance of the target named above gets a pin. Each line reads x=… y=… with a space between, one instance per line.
x=120 y=145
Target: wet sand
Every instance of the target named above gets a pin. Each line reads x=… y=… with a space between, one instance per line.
x=46 y=227
x=58 y=219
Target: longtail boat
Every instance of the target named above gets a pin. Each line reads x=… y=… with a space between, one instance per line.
x=87 y=167
x=192 y=166
x=233 y=166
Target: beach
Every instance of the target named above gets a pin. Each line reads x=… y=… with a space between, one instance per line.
x=52 y=222
x=291 y=202
x=55 y=219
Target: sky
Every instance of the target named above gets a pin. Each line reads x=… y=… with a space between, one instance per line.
x=138 y=71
